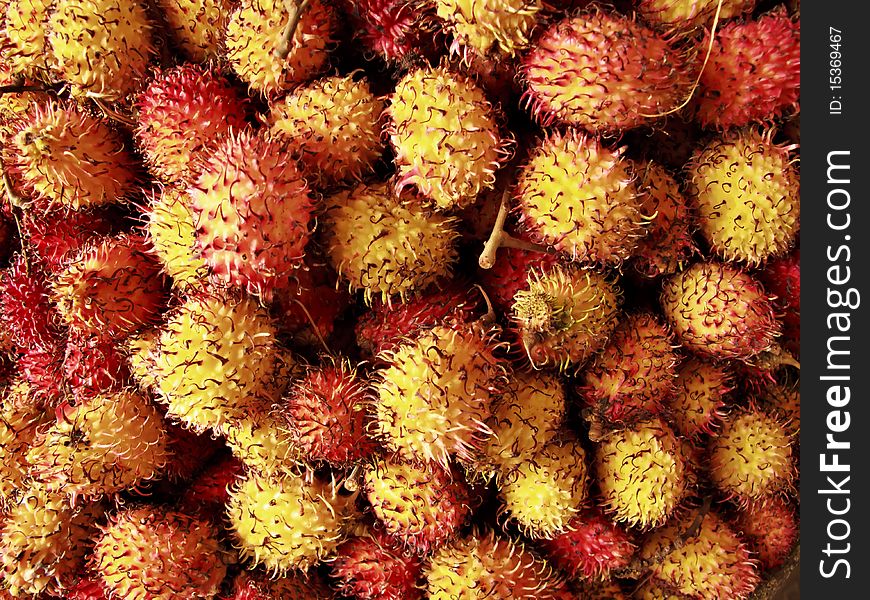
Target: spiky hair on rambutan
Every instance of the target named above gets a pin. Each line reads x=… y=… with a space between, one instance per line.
x=101 y=48
x=198 y=26
x=446 y=136
x=325 y=413
x=699 y=399
x=44 y=541
x=770 y=528
x=384 y=248
x=494 y=567
x=420 y=505
x=172 y=234
x=579 y=196
x=685 y=15
x=398 y=31
x=247 y=232
x=746 y=191
x=334 y=126
x=148 y=552
x=93 y=365
x=747 y=81
x=634 y=374
x=565 y=315
x=591 y=548
x=253 y=44
x=374 y=567
x=502 y=28
x=510 y=274
x=719 y=311
x=782 y=278
x=713 y=563
x=62 y=156
x=20 y=419
x=183 y=110
x=24 y=47
x=434 y=393
x=42 y=368
x=208 y=492
x=57 y=236
x=287 y=521
x=645 y=77
x=111 y=288
x=27 y=313
x=109 y=443
x=384 y=326
x=298 y=585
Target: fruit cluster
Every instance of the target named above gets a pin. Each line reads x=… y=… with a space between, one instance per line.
x=398 y=299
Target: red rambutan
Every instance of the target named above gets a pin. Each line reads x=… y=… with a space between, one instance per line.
x=372 y=567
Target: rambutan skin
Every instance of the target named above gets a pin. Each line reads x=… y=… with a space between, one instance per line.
x=372 y=567
x=93 y=365
x=27 y=314
x=58 y=236
x=398 y=31
x=749 y=81
x=198 y=26
x=567 y=82
x=248 y=235
x=183 y=110
x=770 y=528
x=689 y=14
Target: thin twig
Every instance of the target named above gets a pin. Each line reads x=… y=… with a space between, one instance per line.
x=500 y=238
x=295 y=9
x=20 y=88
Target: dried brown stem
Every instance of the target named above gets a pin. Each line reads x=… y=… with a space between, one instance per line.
x=295 y=10
x=500 y=238
x=20 y=88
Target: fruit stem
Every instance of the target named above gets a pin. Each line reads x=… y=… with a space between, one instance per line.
x=314 y=326
x=295 y=9
x=113 y=114
x=19 y=88
x=500 y=238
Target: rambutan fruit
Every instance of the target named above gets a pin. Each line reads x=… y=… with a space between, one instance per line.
x=770 y=528
x=696 y=407
x=385 y=326
x=62 y=156
x=751 y=457
x=688 y=14
x=109 y=443
x=434 y=394
x=641 y=473
x=92 y=366
x=782 y=277
x=57 y=236
x=141 y=351
x=525 y=417
x=43 y=542
x=216 y=359
x=746 y=190
x=198 y=26
x=254 y=44
x=545 y=491
x=510 y=274
x=208 y=492
x=149 y=553
x=719 y=311
x=384 y=248
x=420 y=505
x=579 y=197
x=782 y=399
x=301 y=585
x=668 y=244
x=334 y=126
x=287 y=521
x=262 y=441
x=101 y=48
x=20 y=419
x=397 y=31
x=602 y=590
x=714 y=563
x=501 y=27
x=42 y=368
x=183 y=110
x=568 y=83
x=112 y=288
x=248 y=233
x=189 y=452
x=565 y=315
x=325 y=413
x=747 y=80
x=486 y=566
x=24 y=47
x=172 y=233
x=372 y=567
x=445 y=135
x=26 y=311
x=592 y=547
x=89 y=587
x=307 y=310
x=633 y=374
x=655 y=589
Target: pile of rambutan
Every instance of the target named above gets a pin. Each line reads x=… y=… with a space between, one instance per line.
x=398 y=299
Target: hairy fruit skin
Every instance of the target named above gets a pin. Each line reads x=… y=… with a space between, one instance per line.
x=183 y=110
x=198 y=25
x=719 y=311
x=445 y=136
x=502 y=27
x=579 y=197
x=172 y=233
x=688 y=14
x=20 y=420
x=146 y=554
x=372 y=567
x=747 y=81
x=300 y=585
x=567 y=83
x=421 y=506
x=641 y=473
x=746 y=190
x=434 y=395
x=397 y=31
x=696 y=407
x=252 y=210
x=770 y=528
x=27 y=314
x=254 y=32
